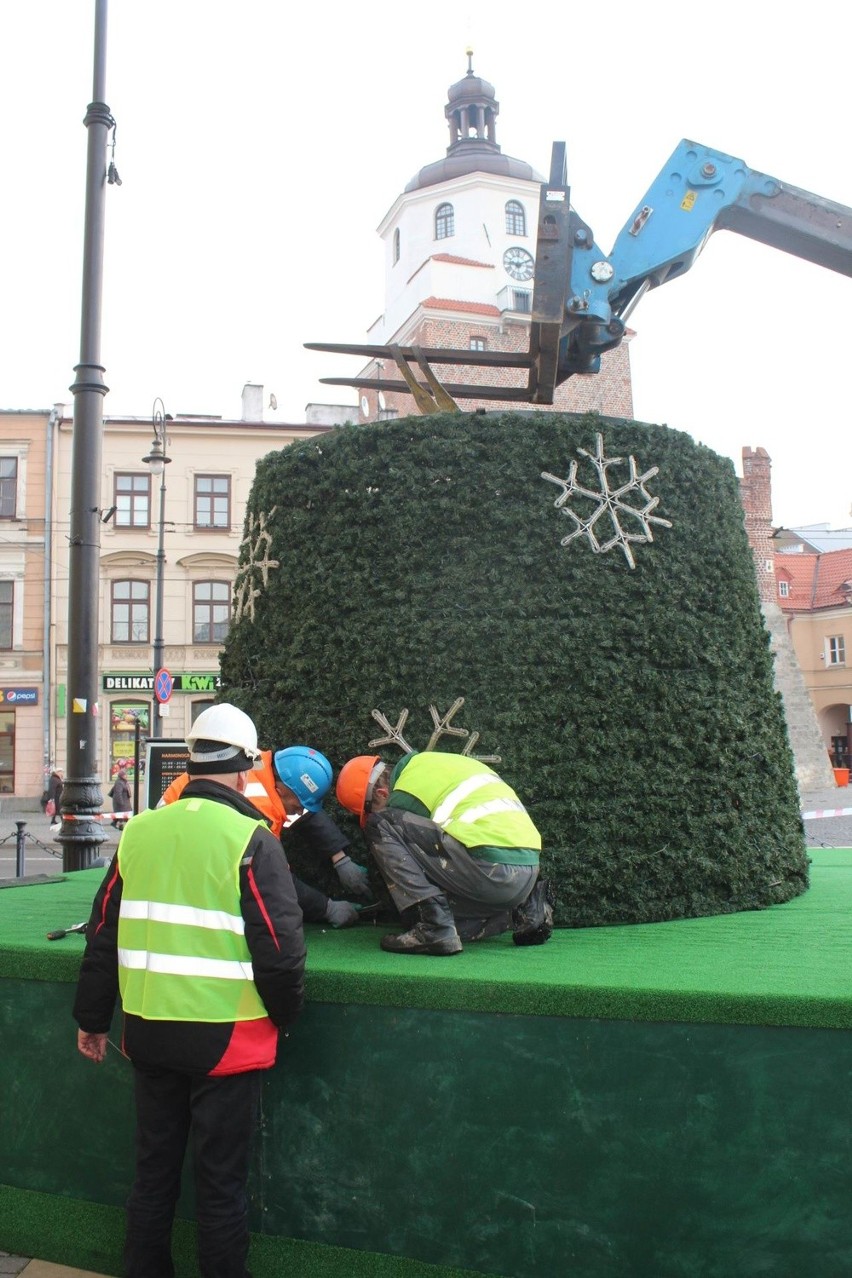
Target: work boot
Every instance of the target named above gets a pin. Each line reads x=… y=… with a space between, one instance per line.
x=532 y=922
x=433 y=933
x=480 y=929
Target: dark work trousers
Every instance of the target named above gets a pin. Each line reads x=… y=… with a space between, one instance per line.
x=220 y=1115
x=418 y=861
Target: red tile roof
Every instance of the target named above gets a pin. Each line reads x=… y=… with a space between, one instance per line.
x=452 y=304
x=815 y=581
x=460 y=261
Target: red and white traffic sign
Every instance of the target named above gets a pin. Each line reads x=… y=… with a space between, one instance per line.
x=163 y=684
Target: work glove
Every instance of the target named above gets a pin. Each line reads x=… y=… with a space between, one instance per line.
x=353 y=876
x=341 y=913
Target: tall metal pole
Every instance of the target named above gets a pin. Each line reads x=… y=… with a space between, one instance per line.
x=82 y=833
x=157 y=725
x=157 y=460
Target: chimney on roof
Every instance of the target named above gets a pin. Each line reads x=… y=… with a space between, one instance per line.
x=252 y=402
x=756 y=498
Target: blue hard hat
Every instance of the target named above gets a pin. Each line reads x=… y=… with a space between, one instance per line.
x=306 y=772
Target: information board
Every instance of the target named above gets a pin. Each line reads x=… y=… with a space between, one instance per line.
x=165 y=759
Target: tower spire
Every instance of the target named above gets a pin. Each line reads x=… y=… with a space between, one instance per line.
x=471 y=112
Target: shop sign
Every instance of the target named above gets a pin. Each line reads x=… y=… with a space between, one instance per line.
x=20 y=696
x=145 y=683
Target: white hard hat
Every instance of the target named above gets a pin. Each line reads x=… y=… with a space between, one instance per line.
x=234 y=729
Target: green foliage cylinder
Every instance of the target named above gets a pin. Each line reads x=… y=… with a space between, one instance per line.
x=406 y=564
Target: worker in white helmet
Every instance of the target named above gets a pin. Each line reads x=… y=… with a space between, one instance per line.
x=197 y=927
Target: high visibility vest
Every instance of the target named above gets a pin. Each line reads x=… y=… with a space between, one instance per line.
x=469 y=800
x=260 y=790
x=182 y=952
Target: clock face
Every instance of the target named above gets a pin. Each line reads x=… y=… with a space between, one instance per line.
x=518 y=263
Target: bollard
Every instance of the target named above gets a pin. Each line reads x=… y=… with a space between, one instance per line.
x=19 y=849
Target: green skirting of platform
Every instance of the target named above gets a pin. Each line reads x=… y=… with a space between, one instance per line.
x=788 y=965
x=658 y=1101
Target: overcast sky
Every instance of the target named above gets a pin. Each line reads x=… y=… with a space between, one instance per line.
x=260 y=143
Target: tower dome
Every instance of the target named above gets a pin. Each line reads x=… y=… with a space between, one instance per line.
x=472 y=109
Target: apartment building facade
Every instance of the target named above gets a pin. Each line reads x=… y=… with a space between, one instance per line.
x=24 y=593
x=207 y=484
x=815 y=596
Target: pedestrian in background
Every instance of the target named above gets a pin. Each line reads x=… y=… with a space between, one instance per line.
x=122 y=804
x=197 y=927
x=53 y=802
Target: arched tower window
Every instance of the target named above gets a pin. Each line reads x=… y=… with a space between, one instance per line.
x=516 y=220
x=445 y=222
x=396 y=246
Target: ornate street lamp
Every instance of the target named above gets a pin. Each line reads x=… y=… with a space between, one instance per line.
x=158 y=460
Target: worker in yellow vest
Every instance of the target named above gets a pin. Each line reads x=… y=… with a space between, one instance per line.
x=197 y=927
x=288 y=789
x=456 y=847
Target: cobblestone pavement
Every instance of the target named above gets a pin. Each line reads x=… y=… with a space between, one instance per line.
x=11 y=1264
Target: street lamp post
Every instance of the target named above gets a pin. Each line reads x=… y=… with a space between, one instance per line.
x=82 y=834
x=157 y=460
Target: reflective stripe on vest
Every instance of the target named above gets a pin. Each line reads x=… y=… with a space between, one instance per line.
x=469 y=800
x=182 y=952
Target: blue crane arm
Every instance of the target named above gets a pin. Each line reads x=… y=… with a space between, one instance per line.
x=697 y=192
x=582 y=297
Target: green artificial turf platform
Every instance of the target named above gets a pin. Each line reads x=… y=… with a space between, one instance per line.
x=667 y=1100
x=787 y=965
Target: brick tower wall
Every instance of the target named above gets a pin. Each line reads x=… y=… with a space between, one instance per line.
x=756 y=497
x=608 y=392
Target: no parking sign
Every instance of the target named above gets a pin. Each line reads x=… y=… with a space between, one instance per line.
x=163 y=684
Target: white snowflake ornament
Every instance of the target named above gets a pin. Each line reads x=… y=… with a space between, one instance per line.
x=259 y=542
x=611 y=504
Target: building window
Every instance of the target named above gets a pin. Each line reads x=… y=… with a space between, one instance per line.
x=211 y=611
x=130 y=612
x=445 y=222
x=132 y=501
x=213 y=501
x=521 y=300
x=784 y=589
x=7 y=609
x=8 y=487
x=836 y=647
x=516 y=219
x=396 y=246
x=477 y=343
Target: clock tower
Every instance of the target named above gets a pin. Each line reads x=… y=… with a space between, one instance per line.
x=459 y=261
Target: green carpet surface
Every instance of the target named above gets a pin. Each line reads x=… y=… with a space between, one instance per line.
x=788 y=965
x=70 y=1231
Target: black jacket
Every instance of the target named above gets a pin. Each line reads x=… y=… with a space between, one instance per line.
x=273 y=931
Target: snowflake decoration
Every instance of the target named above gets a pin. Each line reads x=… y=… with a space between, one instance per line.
x=259 y=542
x=610 y=502
x=442 y=725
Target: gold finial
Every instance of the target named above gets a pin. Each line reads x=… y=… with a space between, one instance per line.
x=469 y=53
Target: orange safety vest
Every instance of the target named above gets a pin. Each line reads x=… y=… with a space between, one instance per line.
x=260 y=790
